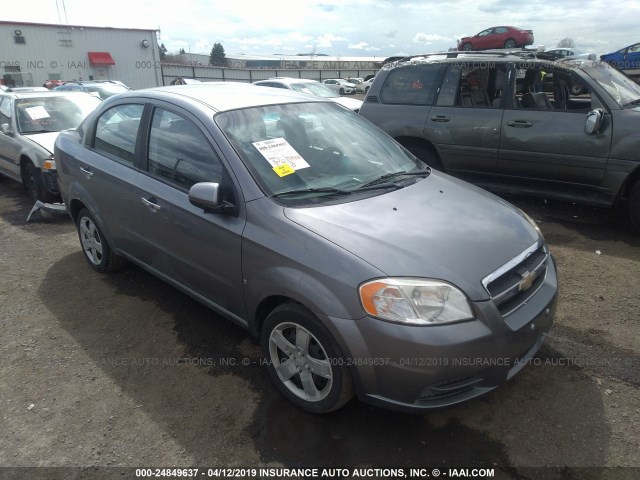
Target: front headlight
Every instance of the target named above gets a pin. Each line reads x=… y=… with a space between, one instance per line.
x=415 y=301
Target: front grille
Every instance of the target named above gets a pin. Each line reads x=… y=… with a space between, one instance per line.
x=515 y=282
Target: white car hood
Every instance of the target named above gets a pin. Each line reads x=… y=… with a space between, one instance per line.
x=45 y=140
x=350 y=103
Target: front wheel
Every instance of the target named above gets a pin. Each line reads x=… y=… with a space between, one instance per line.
x=510 y=43
x=96 y=250
x=341 y=91
x=304 y=361
x=425 y=155
x=34 y=184
x=467 y=47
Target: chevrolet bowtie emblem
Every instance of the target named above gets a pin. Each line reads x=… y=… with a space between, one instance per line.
x=527 y=281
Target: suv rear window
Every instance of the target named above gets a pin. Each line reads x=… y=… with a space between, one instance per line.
x=412 y=85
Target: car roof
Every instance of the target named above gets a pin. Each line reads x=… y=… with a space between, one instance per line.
x=40 y=94
x=224 y=96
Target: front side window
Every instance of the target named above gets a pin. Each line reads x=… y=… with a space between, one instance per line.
x=179 y=153
x=544 y=88
x=412 y=85
x=117 y=131
x=482 y=87
x=5 y=110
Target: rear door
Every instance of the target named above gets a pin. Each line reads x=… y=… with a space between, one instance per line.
x=108 y=170
x=546 y=140
x=197 y=251
x=465 y=123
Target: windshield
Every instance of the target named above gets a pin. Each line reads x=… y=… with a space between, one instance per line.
x=105 y=90
x=307 y=147
x=621 y=88
x=317 y=89
x=54 y=113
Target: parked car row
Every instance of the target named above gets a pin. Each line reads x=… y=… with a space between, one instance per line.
x=311 y=87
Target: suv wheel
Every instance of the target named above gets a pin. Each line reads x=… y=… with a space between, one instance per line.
x=467 y=47
x=304 y=361
x=95 y=247
x=425 y=155
x=633 y=205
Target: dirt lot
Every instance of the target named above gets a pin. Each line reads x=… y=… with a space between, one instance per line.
x=123 y=370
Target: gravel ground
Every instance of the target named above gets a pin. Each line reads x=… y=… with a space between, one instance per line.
x=123 y=370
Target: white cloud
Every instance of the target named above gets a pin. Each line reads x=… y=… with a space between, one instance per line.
x=362 y=46
x=429 y=37
x=326 y=40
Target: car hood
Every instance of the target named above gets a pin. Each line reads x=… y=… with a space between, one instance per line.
x=45 y=140
x=439 y=228
x=350 y=103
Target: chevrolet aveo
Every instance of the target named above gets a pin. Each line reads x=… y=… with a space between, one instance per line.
x=360 y=269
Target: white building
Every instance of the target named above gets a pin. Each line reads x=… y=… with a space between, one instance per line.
x=32 y=53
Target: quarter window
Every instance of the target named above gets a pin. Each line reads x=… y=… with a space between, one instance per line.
x=413 y=85
x=179 y=153
x=117 y=131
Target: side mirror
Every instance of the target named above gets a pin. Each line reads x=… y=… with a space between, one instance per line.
x=6 y=129
x=594 y=121
x=208 y=196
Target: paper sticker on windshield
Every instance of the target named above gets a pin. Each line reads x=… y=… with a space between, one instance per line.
x=36 y=113
x=279 y=152
x=283 y=170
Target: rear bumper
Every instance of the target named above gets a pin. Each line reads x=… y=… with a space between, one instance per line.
x=417 y=368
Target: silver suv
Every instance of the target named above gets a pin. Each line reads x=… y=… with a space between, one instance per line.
x=517 y=124
x=360 y=269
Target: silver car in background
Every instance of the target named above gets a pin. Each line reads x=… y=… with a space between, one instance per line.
x=358 y=268
x=311 y=87
x=29 y=125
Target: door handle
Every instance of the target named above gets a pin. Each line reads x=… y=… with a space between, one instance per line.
x=87 y=173
x=440 y=118
x=151 y=203
x=519 y=123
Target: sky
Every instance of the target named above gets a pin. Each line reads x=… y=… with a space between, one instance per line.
x=346 y=28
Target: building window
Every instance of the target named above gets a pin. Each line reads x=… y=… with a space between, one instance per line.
x=19 y=39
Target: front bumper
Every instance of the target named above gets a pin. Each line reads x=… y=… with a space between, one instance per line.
x=416 y=368
x=50 y=181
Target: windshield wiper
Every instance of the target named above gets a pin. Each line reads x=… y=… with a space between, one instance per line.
x=382 y=180
x=633 y=102
x=300 y=191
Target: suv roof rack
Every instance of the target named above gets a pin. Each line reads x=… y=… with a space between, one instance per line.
x=522 y=53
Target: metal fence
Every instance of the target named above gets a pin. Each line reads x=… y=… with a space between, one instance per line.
x=217 y=74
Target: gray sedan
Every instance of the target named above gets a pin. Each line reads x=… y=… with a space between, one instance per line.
x=358 y=268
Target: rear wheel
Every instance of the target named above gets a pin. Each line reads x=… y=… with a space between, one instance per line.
x=304 y=361
x=425 y=155
x=341 y=91
x=96 y=250
x=467 y=47
x=510 y=43
x=633 y=205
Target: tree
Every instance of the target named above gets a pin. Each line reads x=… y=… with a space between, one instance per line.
x=217 y=57
x=163 y=51
x=566 y=43
x=181 y=51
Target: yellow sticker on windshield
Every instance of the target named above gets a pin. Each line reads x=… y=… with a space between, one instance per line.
x=283 y=170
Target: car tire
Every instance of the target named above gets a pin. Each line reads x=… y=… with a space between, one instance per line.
x=467 y=47
x=34 y=184
x=95 y=248
x=304 y=361
x=366 y=90
x=341 y=91
x=633 y=205
x=425 y=155
x=510 y=43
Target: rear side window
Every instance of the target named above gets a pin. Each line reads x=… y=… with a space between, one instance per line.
x=179 y=152
x=117 y=132
x=412 y=85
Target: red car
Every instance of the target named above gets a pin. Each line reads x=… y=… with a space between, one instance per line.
x=497 y=37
